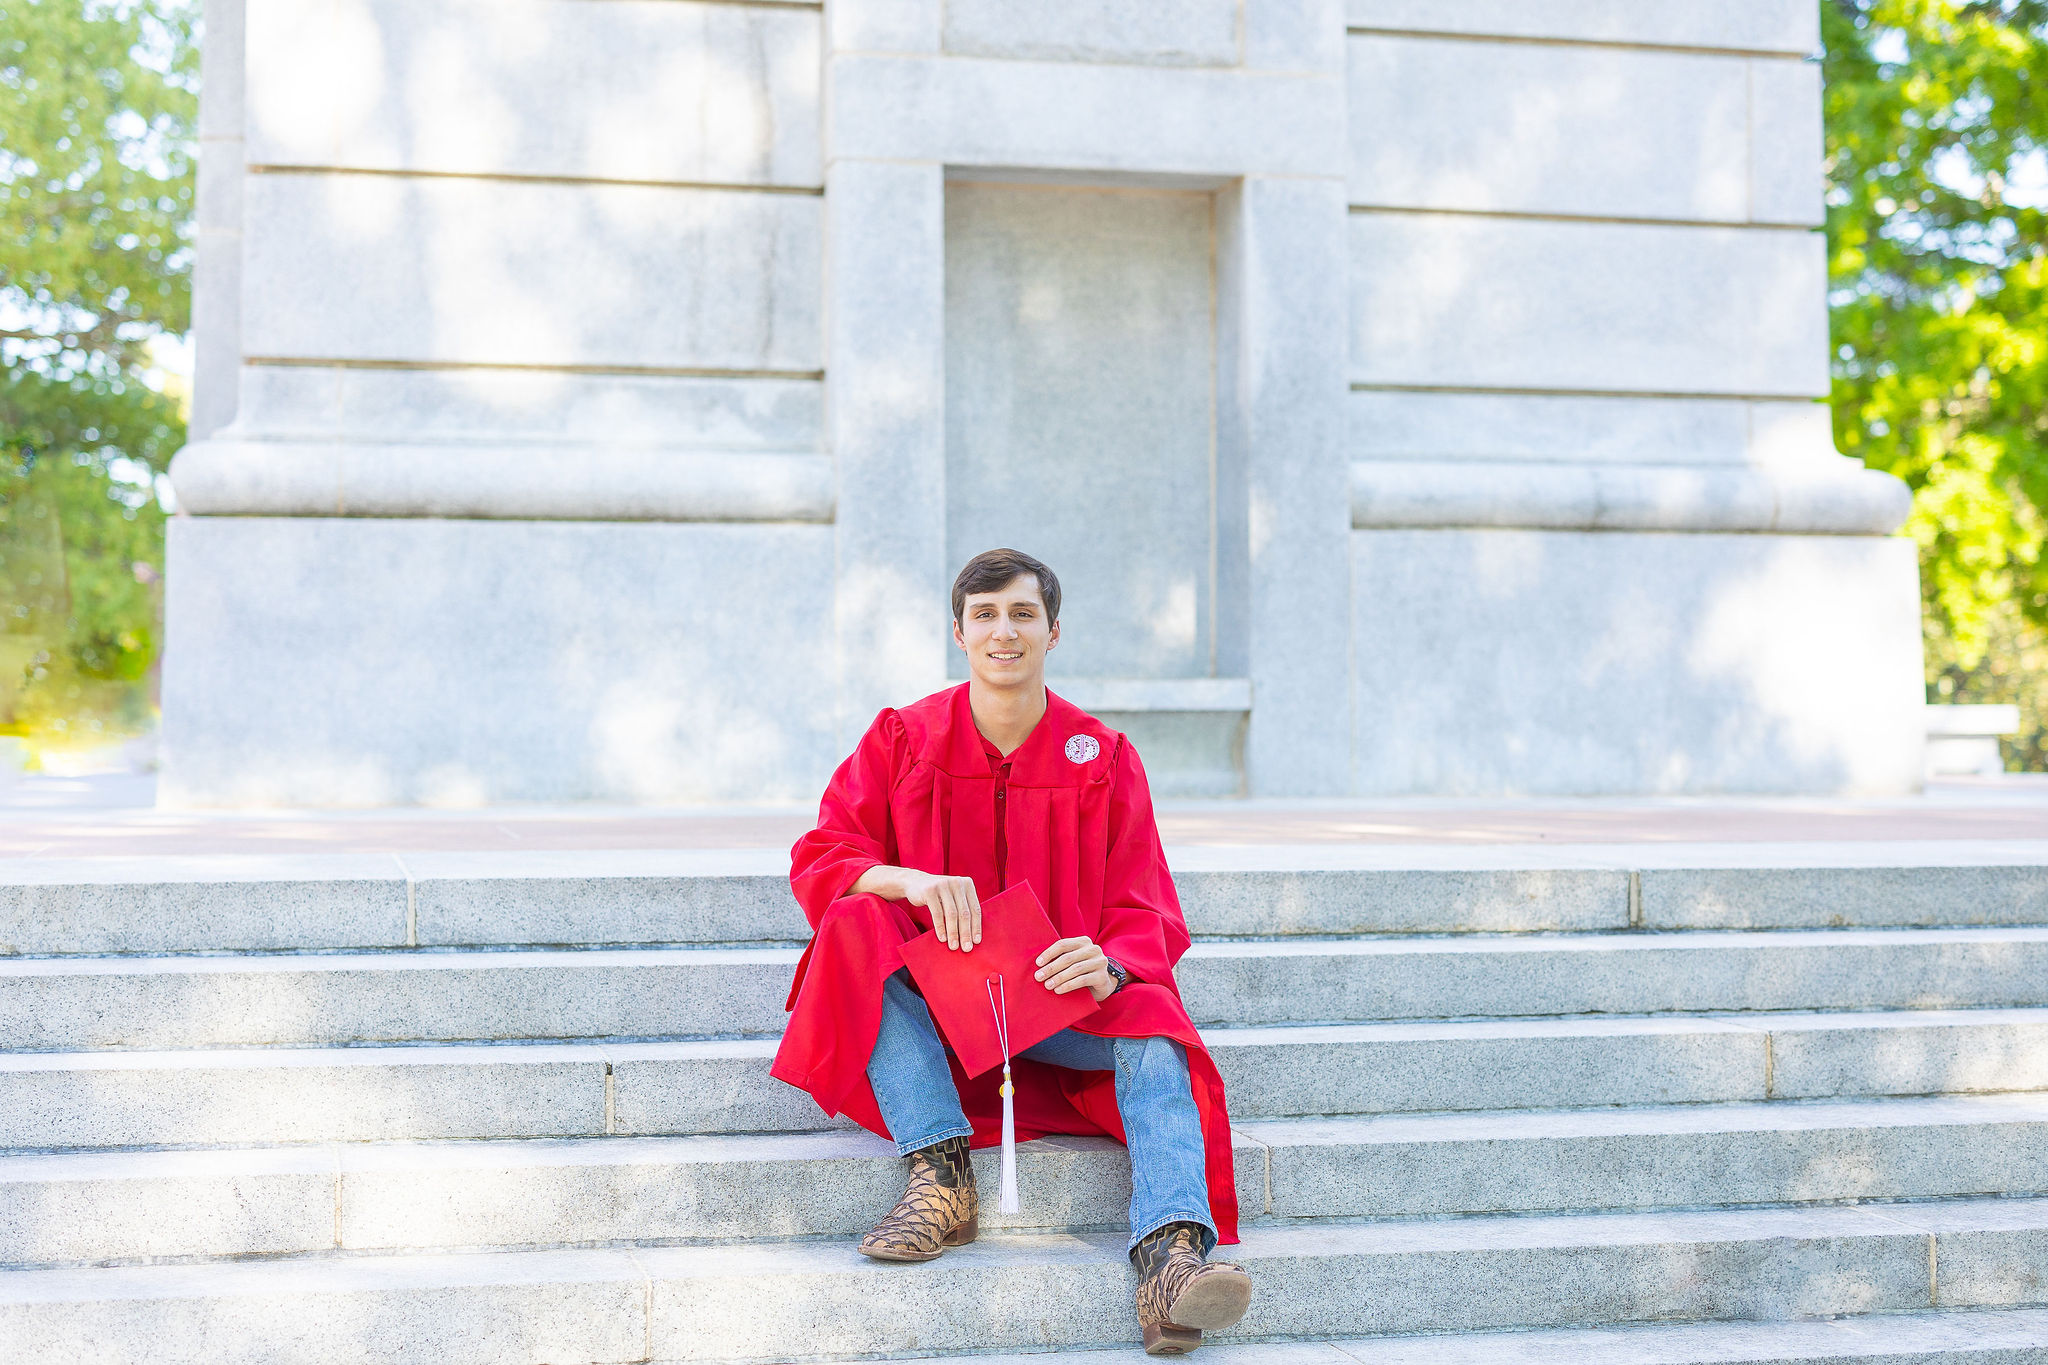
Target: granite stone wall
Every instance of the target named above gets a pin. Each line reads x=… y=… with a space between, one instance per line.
x=1420 y=396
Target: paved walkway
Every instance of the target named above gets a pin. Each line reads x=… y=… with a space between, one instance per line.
x=109 y=816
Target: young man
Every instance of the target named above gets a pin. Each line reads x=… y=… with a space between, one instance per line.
x=974 y=789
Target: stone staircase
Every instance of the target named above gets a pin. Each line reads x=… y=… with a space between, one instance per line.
x=1642 y=1105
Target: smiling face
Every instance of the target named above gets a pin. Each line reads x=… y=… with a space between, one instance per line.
x=1006 y=635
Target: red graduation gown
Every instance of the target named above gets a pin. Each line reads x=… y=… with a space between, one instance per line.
x=918 y=792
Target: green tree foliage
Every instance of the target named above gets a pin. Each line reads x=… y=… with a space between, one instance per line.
x=1937 y=117
x=97 y=114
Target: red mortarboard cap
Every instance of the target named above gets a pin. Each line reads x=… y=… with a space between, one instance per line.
x=957 y=985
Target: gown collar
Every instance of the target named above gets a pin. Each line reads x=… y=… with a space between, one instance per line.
x=1067 y=748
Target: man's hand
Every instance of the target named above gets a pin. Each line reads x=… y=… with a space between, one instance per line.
x=1071 y=963
x=954 y=903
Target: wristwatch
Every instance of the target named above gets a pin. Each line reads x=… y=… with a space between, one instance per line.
x=1117 y=973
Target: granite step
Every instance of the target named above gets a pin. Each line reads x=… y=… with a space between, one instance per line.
x=338 y=901
x=57 y=1100
x=527 y=994
x=105 y=1207
x=2011 y=1336
x=810 y=1300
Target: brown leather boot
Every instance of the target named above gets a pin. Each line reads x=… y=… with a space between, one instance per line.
x=939 y=1209
x=1180 y=1295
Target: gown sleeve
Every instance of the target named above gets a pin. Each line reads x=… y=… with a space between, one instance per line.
x=852 y=834
x=1142 y=925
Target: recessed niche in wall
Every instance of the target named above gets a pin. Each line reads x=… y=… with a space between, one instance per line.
x=1080 y=411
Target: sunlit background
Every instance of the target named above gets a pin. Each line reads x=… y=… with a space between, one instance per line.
x=1937 y=225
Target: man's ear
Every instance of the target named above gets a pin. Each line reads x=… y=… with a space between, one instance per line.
x=1052 y=637
x=958 y=638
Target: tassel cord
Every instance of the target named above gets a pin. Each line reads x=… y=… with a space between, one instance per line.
x=999 y=1003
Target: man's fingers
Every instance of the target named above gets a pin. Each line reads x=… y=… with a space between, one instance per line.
x=947 y=912
x=974 y=917
x=1072 y=979
x=1058 y=948
x=1066 y=962
x=1062 y=980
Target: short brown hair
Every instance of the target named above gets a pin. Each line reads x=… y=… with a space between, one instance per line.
x=992 y=570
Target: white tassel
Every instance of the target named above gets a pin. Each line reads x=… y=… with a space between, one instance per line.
x=1007 y=1203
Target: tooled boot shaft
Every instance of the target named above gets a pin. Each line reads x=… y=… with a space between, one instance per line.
x=1167 y=1261
x=939 y=1208
x=1179 y=1294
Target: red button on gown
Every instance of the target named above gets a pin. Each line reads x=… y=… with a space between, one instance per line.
x=918 y=792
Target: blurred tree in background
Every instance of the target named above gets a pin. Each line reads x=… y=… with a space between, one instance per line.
x=1937 y=116
x=97 y=133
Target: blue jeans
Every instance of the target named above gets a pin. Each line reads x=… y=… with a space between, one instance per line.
x=1162 y=1127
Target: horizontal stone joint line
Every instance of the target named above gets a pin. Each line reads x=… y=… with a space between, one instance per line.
x=1536 y=40
x=1525 y=391
x=1534 y=525
x=533 y=178
x=1604 y=219
x=631 y=371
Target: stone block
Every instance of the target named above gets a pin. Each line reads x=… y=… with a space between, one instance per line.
x=1167 y=33
x=223 y=68
x=477 y=480
x=1686 y=1156
x=1085 y=117
x=884 y=26
x=701 y=93
x=1294 y=35
x=1539 y=128
x=1260 y=892
x=1847 y=499
x=200 y=904
x=1296 y=981
x=538 y=411
x=613 y=896
x=1281 y=470
x=1775 y=887
x=1919 y=1052
x=1633 y=662
x=1987 y=1253
x=721 y=1086
x=398 y=1196
x=1785 y=143
x=371 y=662
x=1922 y=1338
x=887 y=415
x=476 y=271
x=74 y=1208
x=1785 y=26
x=711 y=1304
x=135 y=1099
x=1485 y=1064
x=1080 y=375
x=1389 y=424
x=708 y=1086
x=339 y=999
x=1492 y=303
x=585 y=1306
